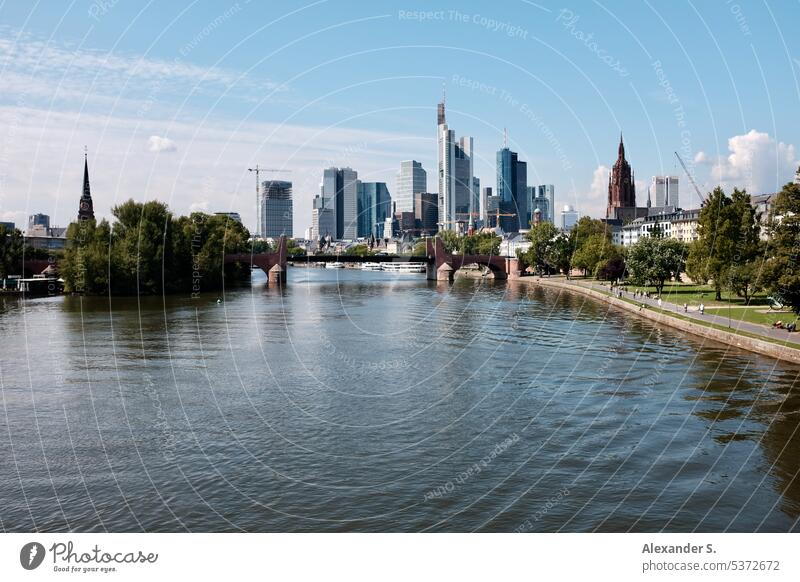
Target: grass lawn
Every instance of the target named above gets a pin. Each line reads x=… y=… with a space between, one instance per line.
x=752 y=315
x=681 y=293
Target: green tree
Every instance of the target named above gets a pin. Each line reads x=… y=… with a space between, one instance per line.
x=541 y=255
x=653 y=261
x=360 y=251
x=11 y=244
x=782 y=274
x=86 y=264
x=596 y=248
x=728 y=236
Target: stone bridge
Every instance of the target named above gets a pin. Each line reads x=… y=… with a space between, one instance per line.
x=441 y=266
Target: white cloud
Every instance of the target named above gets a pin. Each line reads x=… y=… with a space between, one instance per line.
x=757 y=162
x=702 y=159
x=160 y=144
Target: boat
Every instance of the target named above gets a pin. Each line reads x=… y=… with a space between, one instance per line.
x=404 y=267
x=371 y=267
x=334 y=265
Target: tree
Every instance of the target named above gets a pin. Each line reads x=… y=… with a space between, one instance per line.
x=728 y=235
x=360 y=251
x=610 y=269
x=11 y=244
x=781 y=270
x=596 y=248
x=85 y=266
x=541 y=253
x=562 y=253
x=653 y=261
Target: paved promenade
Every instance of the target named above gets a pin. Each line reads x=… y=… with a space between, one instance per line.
x=693 y=313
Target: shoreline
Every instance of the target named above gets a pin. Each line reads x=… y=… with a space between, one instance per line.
x=763 y=347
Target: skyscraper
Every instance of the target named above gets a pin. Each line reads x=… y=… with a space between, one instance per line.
x=411 y=178
x=340 y=193
x=665 y=190
x=86 y=206
x=455 y=173
x=621 y=188
x=486 y=193
x=569 y=217
x=543 y=198
x=426 y=212
x=276 y=209
x=512 y=188
x=374 y=205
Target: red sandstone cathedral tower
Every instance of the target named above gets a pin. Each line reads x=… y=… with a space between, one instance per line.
x=621 y=188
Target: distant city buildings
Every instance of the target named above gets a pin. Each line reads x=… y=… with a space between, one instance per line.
x=512 y=188
x=569 y=217
x=663 y=191
x=374 y=205
x=680 y=225
x=411 y=178
x=797 y=176
x=8 y=225
x=456 y=183
x=426 y=212
x=542 y=197
x=340 y=194
x=486 y=193
x=276 y=209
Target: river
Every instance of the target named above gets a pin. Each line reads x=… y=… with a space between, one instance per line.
x=364 y=401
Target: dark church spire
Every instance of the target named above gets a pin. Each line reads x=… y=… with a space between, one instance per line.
x=86 y=208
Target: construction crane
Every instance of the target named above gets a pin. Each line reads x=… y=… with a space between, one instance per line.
x=258 y=171
x=688 y=175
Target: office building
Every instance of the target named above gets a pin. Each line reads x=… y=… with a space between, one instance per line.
x=374 y=205
x=340 y=191
x=42 y=221
x=486 y=193
x=664 y=191
x=426 y=212
x=276 y=209
x=569 y=217
x=455 y=174
x=512 y=188
x=235 y=216
x=411 y=179
x=7 y=225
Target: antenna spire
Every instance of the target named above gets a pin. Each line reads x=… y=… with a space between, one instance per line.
x=505 y=138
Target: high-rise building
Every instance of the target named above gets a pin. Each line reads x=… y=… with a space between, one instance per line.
x=411 y=178
x=512 y=187
x=42 y=221
x=374 y=205
x=622 y=189
x=543 y=198
x=455 y=174
x=486 y=193
x=86 y=206
x=426 y=212
x=665 y=191
x=569 y=217
x=276 y=209
x=340 y=191
x=797 y=176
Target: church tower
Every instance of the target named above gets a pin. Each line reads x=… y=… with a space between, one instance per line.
x=621 y=185
x=86 y=208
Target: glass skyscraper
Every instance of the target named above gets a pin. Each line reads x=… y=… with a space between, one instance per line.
x=374 y=205
x=411 y=178
x=512 y=188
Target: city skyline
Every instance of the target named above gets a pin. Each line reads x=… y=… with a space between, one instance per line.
x=190 y=141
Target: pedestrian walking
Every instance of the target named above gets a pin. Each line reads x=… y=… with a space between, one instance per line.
x=686 y=308
x=659 y=302
x=702 y=309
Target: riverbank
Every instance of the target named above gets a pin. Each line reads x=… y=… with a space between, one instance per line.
x=773 y=347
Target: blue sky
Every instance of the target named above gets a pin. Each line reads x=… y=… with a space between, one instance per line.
x=175 y=100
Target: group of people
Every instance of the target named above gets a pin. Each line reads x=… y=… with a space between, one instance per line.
x=788 y=327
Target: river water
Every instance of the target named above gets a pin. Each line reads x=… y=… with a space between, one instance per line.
x=363 y=401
